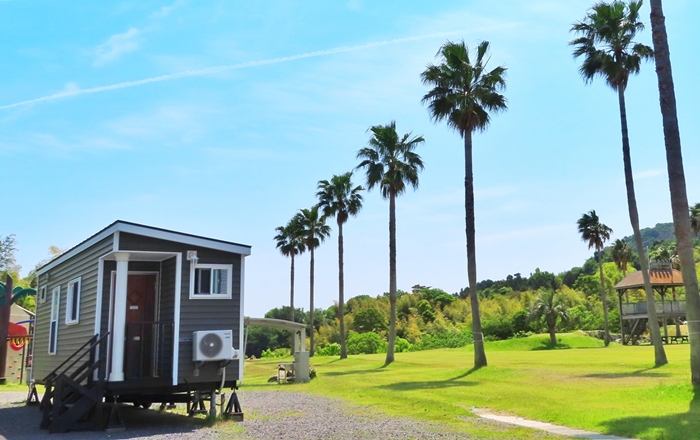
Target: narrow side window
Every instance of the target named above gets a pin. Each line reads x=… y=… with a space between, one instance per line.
x=73 y=302
x=53 y=328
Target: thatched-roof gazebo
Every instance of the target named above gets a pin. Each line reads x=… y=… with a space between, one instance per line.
x=663 y=277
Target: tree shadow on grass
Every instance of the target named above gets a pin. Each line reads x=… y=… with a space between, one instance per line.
x=433 y=384
x=546 y=345
x=427 y=385
x=639 y=373
x=681 y=426
x=353 y=372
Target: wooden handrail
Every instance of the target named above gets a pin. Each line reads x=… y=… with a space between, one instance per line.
x=92 y=342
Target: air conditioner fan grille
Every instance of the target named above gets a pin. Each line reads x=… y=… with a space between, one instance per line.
x=211 y=345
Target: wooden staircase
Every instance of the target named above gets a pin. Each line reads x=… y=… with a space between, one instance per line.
x=635 y=328
x=75 y=389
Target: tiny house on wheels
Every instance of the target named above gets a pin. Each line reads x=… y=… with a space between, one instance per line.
x=138 y=314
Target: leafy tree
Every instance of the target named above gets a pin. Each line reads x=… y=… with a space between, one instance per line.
x=369 y=320
x=622 y=255
x=290 y=242
x=314 y=230
x=463 y=93
x=695 y=218
x=545 y=279
x=595 y=234
x=676 y=183
x=437 y=297
x=391 y=164
x=426 y=311
x=339 y=198
x=609 y=50
x=550 y=307
x=8 y=262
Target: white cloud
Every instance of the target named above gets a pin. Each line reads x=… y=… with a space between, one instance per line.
x=163 y=123
x=226 y=68
x=116 y=46
x=648 y=174
x=354 y=5
x=167 y=10
x=524 y=233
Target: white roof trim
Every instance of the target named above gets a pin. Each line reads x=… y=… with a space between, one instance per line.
x=146 y=231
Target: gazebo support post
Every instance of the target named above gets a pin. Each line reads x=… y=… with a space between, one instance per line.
x=622 y=329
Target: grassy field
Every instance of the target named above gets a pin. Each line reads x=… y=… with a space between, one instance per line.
x=581 y=384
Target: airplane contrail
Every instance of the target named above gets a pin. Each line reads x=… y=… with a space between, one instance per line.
x=218 y=69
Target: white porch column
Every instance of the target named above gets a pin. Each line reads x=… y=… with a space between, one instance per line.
x=119 y=320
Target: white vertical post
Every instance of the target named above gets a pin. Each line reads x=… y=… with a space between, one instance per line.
x=119 y=326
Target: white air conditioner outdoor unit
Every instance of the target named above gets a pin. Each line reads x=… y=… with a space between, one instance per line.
x=212 y=345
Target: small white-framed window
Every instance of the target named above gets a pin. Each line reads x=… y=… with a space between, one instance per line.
x=42 y=294
x=53 y=327
x=73 y=302
x=211 y=281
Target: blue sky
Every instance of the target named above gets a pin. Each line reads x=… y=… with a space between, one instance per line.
x=219 y=118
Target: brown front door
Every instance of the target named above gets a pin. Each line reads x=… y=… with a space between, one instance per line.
x=140 y=320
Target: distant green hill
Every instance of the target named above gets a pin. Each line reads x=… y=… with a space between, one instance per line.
x=660 y=232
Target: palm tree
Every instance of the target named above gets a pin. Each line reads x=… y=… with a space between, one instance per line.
x=314 y=230
x=290 y=242
x=550 y=306
x=596 y=234
x=608 y=49
x=695 y=218
x=622 y=255
x=391 y=164
x=676 y=183
x=340 y=198
x=463 y=93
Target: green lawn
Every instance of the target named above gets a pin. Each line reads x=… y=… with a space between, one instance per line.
x=613 y=390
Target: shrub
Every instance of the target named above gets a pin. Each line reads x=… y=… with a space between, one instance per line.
x=365 y=343
x=278 y=353
x=401 y=345
x=499 y=328
x=328 y=350
x=449 y=338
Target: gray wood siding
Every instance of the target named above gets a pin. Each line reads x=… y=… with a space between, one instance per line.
x=167 y=310
x=70 y=337
x=197 y=314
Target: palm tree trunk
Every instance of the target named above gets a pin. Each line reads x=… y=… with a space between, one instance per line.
x=659 y=352
x=552 y=335
x=676 y=183
x=392 y=278
x=311 y=306
x=291 y=303
x=341 y=292
x=604 y=298
x=291 y=292
x=479 y=352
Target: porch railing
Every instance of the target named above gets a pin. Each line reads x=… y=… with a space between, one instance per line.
x=667 y=307
x=149 y=349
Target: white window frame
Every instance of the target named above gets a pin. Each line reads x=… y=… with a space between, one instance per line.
x=70 y=306
x=42 y=294
x=229 y=281
x=53 y=318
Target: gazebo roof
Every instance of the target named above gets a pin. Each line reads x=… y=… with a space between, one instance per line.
x=659 y=278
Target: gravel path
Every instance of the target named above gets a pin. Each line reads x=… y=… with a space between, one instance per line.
x=269 y=415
